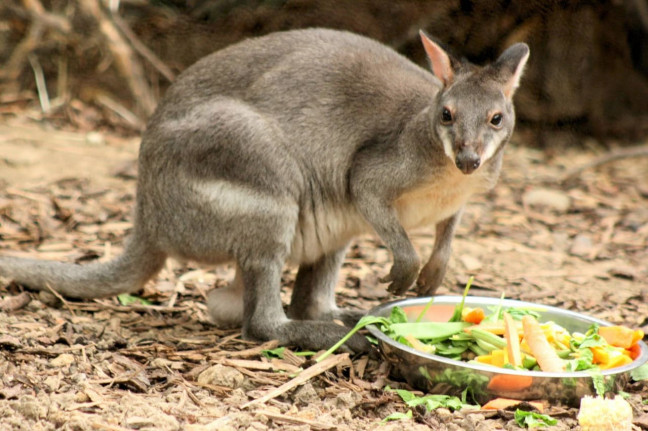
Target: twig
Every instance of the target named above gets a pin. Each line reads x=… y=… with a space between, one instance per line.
x=41 y=86
x=301 y=378
x=297 y=421
x=49 y=20
x=60 y=298
x=41 y=20
x=126 y=63
x=108 y=427
x=142 y=49
x=120 y=110
x=622 y=153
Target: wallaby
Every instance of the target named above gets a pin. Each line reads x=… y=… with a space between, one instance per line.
x=285 y=147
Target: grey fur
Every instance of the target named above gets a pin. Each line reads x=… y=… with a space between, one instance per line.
x=285 y=147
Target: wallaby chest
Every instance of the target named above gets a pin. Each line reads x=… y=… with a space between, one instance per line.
x=439 y=198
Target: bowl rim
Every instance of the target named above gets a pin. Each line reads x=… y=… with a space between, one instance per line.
x=486 y=300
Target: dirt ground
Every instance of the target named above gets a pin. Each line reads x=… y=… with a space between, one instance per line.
x=579 y=243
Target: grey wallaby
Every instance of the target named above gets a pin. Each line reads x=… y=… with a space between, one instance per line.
x=284 y=148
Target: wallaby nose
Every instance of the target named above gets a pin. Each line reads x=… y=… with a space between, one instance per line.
x=467 y=161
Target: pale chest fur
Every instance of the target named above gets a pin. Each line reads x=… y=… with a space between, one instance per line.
x=437 y=200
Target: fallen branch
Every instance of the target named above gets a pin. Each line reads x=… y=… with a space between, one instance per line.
x=127 y=64
x=622 y=153
x=301 y=378
x=296 y=421
x=65 y=303
x=142 y=49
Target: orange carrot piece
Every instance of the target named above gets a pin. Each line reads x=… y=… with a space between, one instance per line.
x=504 y=403
x=509 y=383
x=635 y=351
x=547 y=358
x=475 y=316
x=512 y=341
x=617 y=336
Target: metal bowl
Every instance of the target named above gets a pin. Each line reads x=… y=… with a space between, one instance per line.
x=440 y=375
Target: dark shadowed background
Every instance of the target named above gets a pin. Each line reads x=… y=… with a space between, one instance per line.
x=107 y=66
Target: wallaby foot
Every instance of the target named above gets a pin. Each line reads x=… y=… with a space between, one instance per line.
x=225 y=304
x=265 y=319
x=313 y=296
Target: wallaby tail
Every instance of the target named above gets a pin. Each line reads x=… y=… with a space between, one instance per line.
x=126 y=273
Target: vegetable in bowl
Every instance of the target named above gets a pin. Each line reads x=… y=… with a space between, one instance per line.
x=464 y=362
x=513 y=338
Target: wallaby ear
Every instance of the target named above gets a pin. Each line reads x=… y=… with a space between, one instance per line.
x=510 y=66
x=441 y=66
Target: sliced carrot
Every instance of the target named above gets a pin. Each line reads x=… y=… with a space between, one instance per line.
x=509 y=383
x=547 y=358
x=476 y=315
x=618 y=336
x=635 y=351
x=512 y=341
x=504 y=403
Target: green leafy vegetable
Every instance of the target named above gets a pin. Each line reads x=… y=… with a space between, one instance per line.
x=431 y=402
x=599 y=383
x=365 y=321
x=497 y=313
x=583 y=361
x=640 y=373
x=128 y=299
x=533 y=419
x=518 y=313
x=396 y=416
x=427 y=330
x=458 y=311
x=425 y=309
x=274 y=353
x=473 y=385
x=592 y=339
x=397 y=315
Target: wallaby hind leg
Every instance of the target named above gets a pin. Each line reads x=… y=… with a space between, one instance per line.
x=264 y=317
x=226 y=303
x=313 y=296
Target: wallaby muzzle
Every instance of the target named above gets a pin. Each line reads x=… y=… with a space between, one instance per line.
x=467 y=161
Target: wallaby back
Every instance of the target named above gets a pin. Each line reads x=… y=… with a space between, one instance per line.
x=284 y=148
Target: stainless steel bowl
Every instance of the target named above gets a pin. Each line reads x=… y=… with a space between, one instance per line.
x=437 y=374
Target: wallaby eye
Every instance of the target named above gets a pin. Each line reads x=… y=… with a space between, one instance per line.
x=496 y=120
x=446 y=116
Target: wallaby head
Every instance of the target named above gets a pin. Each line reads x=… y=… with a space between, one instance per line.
x=474 y=114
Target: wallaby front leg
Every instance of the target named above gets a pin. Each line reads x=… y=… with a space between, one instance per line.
x=383 y=218
x=434 y=270
x=313 y=296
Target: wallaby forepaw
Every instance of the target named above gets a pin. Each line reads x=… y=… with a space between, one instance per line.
x=400 y=278
x=429 y=280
